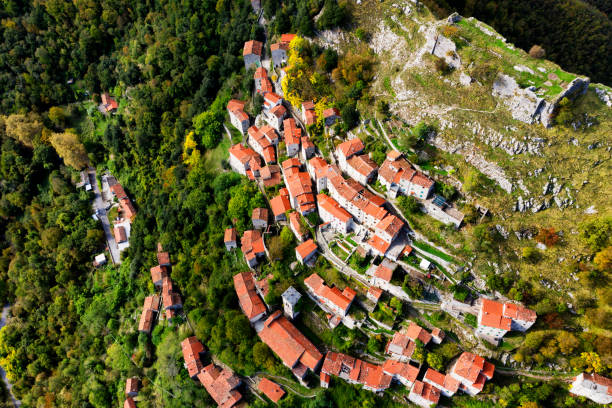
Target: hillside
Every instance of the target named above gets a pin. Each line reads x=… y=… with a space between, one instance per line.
x=518 y=145
x=576 y=34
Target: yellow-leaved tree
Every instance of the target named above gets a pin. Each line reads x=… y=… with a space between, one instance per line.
x=69 y=147
x=191 y=154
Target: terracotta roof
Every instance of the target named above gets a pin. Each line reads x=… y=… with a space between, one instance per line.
x=243 y=154
x=260 y=214
x=600 y=380
x=230 y=235
x=264 y=285
x=292 y=132
x=279 y=111
x=269 y=132
x=118 y=191
x=379 y=244
x=269 y=154
x=362 y=164
x=127 y=207
x=436 y=332
x=310 y=117
x=470 y=366
x=288 y=343
x=163 y=258
x=221 y=385
x=271 y=389
x=252 y=47
x=332 y=207
x=158 y=273
x=272 y=98
x=422 y=180
x=308 y=105
x=306 y=248
x=279 y=46
x=442 y=381
x=280 y=204
x=375 y=292
x=518 y=312
x=152 y=302
x=286 y=38
x=384 y=273
x=292 y=162
x=250 y=302
x=359 y=371
x=390 y=224
x=235 y=105
x=402 y=341
x=426 y=391
x=260 y=73
x=131 y=385
x=328 y=294
x=252 y=244
x=294 y=220
x=393 y=155
x=331 y=112
x=266 y=86
x=129 y=403
x=120 y=235
x=191 y=348
x=404 y=370
x=307 y=143
x=492 y=315
x=415 y=332
x=351 y=147
x=146 y=320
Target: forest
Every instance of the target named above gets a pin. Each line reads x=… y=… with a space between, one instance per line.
x=576 y=34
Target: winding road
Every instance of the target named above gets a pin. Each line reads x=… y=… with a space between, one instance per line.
x=9 y=386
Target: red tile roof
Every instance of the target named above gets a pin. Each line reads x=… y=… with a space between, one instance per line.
x=131 y=385
x=221 y=384
x=379 y=244
x=252 y=47
x=120 y=235
x=279 y=111
x=331 y=295
x=250 y=302
x=350 y=147
x=402 y=341
x=271 y=389
x=260 y=73
x=280 y=204
x=442 y=381
x=332 y=207
x=289 y=163
x=235 y=105
x=306 y=248
x=279 y=46
x=292 y=132
x=288 y=343
x=296 y=225
x=252 y=244
x=492 y=315
x=260 y=214
x=147 y=317
x=359 y=371
x=230 y=235
x=390 y=224
x=470 y=366
x=152 y=302
x=404 y=370
x=331 y=112
x=243 y=154
x=191 y=348
x=272 y=98
x=362 y=164
x=163 y=258
x=286 y=38
x=518 y=312
x=384 y=273
x=310 y=117
x=269 y=154
x=158 y=273
x=422 y=180
x=308 y=105
x=426 y=391
x=415 y=332
x=375 y=292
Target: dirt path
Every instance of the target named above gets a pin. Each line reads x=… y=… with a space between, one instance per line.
x=566 y=377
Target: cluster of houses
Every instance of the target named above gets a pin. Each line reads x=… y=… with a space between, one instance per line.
x=495 y=319
x=169 y=303
x=122 y=225
x=468 y=373
x=220 y=382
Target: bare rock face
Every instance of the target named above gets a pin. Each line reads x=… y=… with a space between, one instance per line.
x=528 y=107
x=524 y=104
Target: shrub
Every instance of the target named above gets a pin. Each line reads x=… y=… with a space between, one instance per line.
x=537 y=51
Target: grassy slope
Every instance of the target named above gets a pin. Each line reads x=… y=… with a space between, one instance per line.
x=436 y=99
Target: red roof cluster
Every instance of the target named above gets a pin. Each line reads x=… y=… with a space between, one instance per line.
x=252 y=244
x=293 y=348
x=221 y=384
x=192 y=348
x=472 y=370
x=250 y=302
x=332 y=207
x=426 y=391
x=358 y=371
x=492 y=315
x=350 y=147
x=236 y=107
x=147 y=317
x=330 y=295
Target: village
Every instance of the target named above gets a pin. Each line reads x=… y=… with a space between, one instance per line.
x=335 y=201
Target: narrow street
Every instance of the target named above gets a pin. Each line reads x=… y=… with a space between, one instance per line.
x=9 y=386
x=99 y=207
